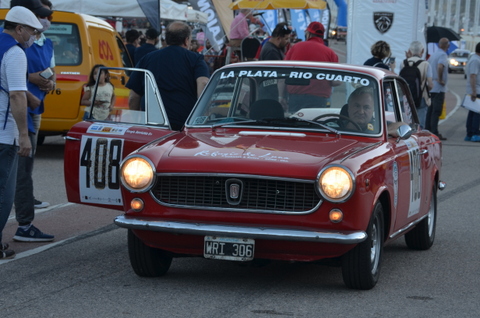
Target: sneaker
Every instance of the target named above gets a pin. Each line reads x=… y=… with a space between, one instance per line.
x=475 y=138
x=5 y=253
x=40 y=205
x=467 y=138
x=32 y=235
x=441 y=137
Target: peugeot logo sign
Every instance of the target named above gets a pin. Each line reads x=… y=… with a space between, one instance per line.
x=233 y=191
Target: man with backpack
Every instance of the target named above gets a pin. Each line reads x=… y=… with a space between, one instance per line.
x=418 y=74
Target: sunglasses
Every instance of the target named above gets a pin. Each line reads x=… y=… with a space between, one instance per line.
x=35 y=31
x=49 y=18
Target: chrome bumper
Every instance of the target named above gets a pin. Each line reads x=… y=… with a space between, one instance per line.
x=240 y=231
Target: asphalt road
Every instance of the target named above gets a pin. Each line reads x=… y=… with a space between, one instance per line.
x=86 y=271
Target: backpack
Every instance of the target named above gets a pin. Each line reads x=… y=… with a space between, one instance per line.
x=411 y=74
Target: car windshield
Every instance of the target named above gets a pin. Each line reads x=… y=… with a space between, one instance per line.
x=459 y=54
x=290 y=98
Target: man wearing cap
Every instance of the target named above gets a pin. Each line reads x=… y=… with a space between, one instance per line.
x=150 y=44
x=19 y=33
x=40 y=58
x=316 y=95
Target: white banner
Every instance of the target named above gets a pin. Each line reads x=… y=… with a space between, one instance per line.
x=396 y=22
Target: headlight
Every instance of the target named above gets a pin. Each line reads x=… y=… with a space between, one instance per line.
x=137 y=174
x=335 y=183
x=454 y=62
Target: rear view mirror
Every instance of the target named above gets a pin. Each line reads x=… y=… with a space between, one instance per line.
x=297 y=81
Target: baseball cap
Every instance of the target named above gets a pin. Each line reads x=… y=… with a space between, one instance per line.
x=22 y=15
x=316 y=28
x=33 y=5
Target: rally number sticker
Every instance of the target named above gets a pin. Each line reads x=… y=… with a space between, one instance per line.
x=415 y=176
x=99 y=170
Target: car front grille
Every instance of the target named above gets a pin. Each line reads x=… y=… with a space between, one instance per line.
x=255 y=194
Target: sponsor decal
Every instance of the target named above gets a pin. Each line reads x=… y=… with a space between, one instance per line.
x=346 y=78
x=383 y=21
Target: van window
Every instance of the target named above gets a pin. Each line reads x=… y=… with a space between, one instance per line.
x=66 y=43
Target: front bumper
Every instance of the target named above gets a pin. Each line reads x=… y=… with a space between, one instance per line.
x=265 y=233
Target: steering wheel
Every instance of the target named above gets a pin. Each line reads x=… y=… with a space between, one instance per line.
x=339 y=117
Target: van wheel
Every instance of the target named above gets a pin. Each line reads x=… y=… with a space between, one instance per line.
x=361 y=265
x=40 y=140
x=147 y=261
x=423 y=235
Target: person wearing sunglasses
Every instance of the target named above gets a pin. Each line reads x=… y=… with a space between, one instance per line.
x=20 y=25
x=274 y=48
x=41 y=80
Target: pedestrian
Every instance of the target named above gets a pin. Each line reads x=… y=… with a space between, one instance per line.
x=105 y=97
x=414 y=55
x=380 y=51
x=41 y=79
x=151 y=40
x=439 y=63
x=132 y=38
x=473 y=89
x=274 y=48
x=181 y=75
x=19 y=32
x=239 y=27
x=316 y=95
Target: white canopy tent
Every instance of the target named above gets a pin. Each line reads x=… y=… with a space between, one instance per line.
x=169 y=10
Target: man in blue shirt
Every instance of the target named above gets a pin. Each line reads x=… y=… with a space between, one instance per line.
x=181 y=75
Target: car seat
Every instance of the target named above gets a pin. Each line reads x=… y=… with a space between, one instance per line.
x=266 y=108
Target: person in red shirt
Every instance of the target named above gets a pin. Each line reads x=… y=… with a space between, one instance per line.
x=317 y=94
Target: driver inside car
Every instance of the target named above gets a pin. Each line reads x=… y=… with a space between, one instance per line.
x=360 y=110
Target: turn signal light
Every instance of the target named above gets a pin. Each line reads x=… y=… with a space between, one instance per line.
x=336 y=216
x=137 y=204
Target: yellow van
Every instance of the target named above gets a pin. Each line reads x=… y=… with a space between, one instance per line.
x=80 y=41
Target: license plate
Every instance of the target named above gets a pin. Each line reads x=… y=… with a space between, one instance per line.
x=228 y=248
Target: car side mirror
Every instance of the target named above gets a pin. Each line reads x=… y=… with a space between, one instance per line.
x=404 y=132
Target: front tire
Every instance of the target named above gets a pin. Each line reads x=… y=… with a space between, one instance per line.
x=361 y=265
x=423 y=235
x=147 y=261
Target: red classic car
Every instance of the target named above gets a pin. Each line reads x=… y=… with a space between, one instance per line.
x=292 y=161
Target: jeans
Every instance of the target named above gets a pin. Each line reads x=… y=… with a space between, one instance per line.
x=473 y=123
x=297 y=102
x=8 y=177
x=422 y=113
x=24 y=202
x=434 y=112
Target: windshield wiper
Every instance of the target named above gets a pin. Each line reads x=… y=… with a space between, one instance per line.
x=333 y=130
x=243 y=121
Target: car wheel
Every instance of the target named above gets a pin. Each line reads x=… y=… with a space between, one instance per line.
x=423 y=235
x=147 y=261
x=361 y=265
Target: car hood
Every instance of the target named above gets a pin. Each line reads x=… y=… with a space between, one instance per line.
x=274 y=154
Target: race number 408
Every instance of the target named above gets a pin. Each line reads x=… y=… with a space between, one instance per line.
x=100 y=159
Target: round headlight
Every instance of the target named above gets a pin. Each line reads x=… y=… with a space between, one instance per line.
x=335 y=183
x=137 y=174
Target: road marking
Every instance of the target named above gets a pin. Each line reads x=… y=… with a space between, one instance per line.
x=38 y=211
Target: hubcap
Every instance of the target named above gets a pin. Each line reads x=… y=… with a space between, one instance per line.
x=431 y=216
x=375 y=246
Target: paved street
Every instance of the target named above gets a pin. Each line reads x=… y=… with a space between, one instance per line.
x=85 y=272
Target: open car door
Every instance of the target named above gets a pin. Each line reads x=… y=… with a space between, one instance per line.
x=95 y=147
